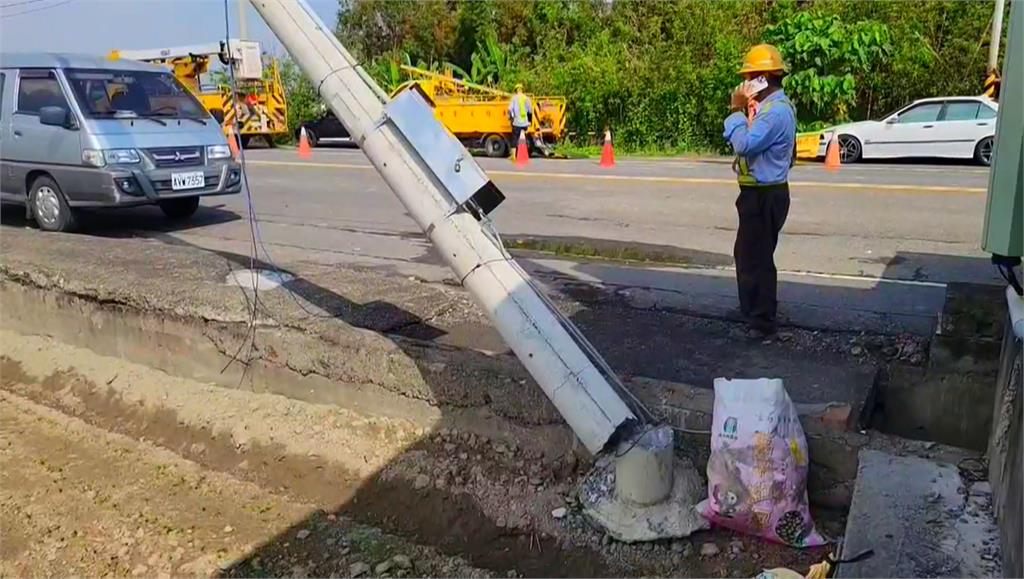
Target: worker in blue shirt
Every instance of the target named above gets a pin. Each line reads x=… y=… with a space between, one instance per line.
x=765 y=144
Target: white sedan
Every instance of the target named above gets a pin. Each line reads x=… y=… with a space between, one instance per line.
x=950 y=127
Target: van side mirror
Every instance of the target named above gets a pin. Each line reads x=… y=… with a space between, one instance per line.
x=892 y=120
x=55 y=116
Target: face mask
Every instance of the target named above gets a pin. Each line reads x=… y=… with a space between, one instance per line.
x=756 y=85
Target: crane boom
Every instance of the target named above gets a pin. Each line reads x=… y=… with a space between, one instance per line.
x=207 y=49
x=449 y=197
x=244 y=55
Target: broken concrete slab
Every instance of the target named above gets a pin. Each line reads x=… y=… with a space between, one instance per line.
x=921 y=519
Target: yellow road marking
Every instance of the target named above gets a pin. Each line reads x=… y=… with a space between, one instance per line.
x=661 y=179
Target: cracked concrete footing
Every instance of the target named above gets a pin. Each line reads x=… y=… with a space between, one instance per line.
x=643 y=492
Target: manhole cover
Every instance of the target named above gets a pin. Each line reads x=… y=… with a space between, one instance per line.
x=259 y=279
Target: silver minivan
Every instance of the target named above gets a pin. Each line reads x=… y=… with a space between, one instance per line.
x=88 y=132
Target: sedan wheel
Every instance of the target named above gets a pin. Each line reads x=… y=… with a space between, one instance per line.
x=849 y=149
x=983 y=152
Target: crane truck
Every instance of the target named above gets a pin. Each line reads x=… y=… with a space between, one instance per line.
x=258 y=104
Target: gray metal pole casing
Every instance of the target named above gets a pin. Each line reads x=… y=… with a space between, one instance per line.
x=580 y=392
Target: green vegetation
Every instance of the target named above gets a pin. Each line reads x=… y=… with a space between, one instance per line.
x=659 y=73
x=303 y=102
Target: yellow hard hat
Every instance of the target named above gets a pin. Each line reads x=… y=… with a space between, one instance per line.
x=519 y=86
x=762 y=58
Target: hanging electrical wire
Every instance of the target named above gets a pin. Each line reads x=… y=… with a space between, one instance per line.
x=21 y=3
x=31 y=10
x=256 y=243
x=250 y=335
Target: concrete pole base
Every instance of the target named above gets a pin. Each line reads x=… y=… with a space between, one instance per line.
x=643 y=492
x=643 y=467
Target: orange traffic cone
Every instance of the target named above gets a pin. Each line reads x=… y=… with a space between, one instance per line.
x=832 y=155
x=522 y=153
x=232 y=142
x=305 y=151
x=608 y=153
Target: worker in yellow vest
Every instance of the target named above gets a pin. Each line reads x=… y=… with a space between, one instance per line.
x=765 y=147
x=520 y=113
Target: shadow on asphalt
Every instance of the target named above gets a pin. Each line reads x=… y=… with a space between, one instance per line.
x=121 y=222
x=911 y=161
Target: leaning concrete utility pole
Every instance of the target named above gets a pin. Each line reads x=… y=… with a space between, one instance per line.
x=449 y=196
x=997 y=35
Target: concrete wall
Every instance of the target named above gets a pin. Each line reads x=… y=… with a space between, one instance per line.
x=950 y=401
x=1005 y=452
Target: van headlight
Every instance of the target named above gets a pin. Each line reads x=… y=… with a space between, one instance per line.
x=218 y=152
x=93 y=157
x=121 y=156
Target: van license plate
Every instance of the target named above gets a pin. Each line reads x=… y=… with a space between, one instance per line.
x=194 y=180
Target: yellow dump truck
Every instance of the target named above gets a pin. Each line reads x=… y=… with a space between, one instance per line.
x=259 y=103
x=478 y=115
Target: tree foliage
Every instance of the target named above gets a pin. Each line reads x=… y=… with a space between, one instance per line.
x=659 y=73
x=827 y=57
x=304 y=103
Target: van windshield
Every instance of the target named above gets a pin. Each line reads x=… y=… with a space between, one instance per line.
x=132 y=93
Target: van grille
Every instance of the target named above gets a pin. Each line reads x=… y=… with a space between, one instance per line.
x=177 y=157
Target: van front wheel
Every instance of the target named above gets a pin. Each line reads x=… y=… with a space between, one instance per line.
x=49 y=208
x=180 y=208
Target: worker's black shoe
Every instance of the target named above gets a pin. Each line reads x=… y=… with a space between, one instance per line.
x=761 y=328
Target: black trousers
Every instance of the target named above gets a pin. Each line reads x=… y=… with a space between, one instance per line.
x=762 y=212
x=516 y=131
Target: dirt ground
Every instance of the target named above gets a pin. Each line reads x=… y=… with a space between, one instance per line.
x=81 y=501
x=113 y=469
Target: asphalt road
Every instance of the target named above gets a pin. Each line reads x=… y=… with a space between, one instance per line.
x=870 y=246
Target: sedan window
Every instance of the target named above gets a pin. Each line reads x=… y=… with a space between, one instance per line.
x=961 y=111
x=923 y=113
x=986 y=112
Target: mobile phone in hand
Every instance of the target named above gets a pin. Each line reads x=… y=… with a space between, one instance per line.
x=756 y=85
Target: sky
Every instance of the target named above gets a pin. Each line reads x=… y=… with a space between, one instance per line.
x=99 y=26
